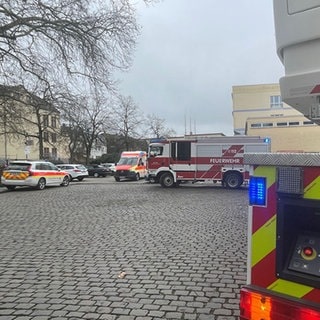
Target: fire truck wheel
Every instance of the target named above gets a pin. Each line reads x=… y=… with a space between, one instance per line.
x=117 y=179
x=167 y=180
x=233 y=180
x=137 y=177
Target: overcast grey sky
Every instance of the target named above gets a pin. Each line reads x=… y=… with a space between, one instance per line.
x=190 y=54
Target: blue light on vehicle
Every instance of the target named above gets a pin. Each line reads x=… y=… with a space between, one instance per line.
x=257 y=191
x=267 y=140
x=158 y=140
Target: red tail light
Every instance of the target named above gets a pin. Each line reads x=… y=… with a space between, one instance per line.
x=29 y=170
x=77 y=170
x=259 y=306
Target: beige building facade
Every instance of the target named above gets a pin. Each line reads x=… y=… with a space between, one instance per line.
x=259 y=111
x=22 y=119
x=27 y=146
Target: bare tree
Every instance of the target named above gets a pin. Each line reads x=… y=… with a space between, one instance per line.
x=45 y=42
x=127 y=121
x=85 y=122
x=62 y=46
x=71 y=135
x=157 y=128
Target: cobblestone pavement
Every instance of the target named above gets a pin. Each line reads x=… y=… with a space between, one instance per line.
x=127 y=251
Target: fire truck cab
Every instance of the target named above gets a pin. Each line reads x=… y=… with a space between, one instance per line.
x=283 y=269
x=193 y=158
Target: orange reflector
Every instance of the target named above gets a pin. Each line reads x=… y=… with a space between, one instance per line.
x=259 y=306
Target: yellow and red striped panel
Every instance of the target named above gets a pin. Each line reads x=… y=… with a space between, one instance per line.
x=263 y=237
x=12 y=176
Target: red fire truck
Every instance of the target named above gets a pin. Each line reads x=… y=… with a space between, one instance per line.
x=194 y=158
x=283 y=270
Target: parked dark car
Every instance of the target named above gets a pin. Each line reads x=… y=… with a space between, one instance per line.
x=95 y=170
x=110 y=166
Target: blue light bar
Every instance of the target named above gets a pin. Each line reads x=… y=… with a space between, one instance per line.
x=267 y=140
x=257 y=191
x=157 y=140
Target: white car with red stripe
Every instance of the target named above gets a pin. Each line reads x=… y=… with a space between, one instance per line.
x=36 y=174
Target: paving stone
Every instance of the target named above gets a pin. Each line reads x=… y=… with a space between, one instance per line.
x=91 y=316
x=7 y=312
x=139 y=312
x=61 y=260
x=174 y=315
x=75 y=314
x=156 y=314
x=40 y=312
x=59 y=313
x=121 y=311
x=108 y=317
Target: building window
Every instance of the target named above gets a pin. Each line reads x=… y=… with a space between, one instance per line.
x=267 y=124
x=275 y=102
x=46 y=120
x=294 y=123
x=46 y=153
x=308 y=123
x=46 y=136
x=282 y=124
x=53 y=137
x=54 y=152
x=256 y=125
x=53 y=122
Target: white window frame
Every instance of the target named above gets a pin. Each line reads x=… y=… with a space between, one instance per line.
x=276 y=102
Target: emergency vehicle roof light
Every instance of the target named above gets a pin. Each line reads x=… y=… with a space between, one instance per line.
x=257 y=191
x=157 y=140
x=256 y=305
x=267 y=140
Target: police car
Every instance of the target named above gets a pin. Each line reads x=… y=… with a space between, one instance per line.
x=36 y=174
